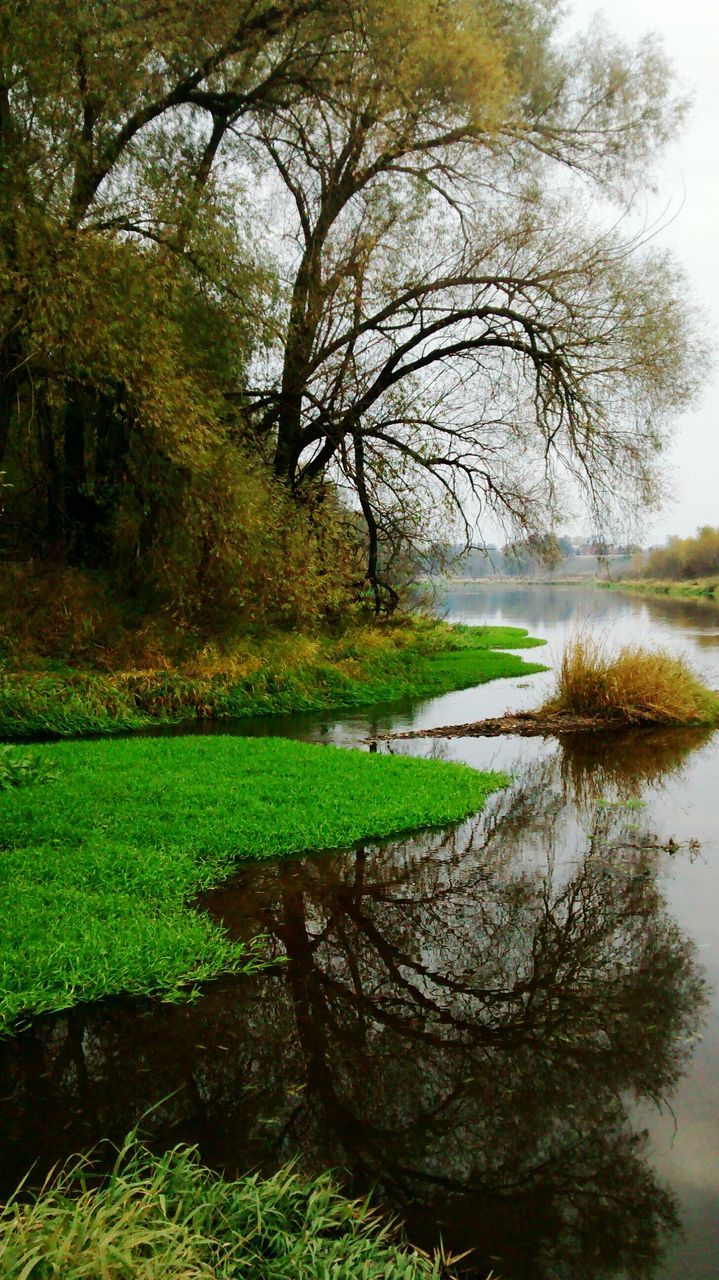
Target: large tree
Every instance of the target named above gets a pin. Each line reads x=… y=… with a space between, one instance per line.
x=351 y=242
x=128 y=281
x=459 y=325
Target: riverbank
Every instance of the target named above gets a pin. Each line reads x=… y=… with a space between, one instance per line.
x=106 y=844
x=262 y=675
x=698 y=589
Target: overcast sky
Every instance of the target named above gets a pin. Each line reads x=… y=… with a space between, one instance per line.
x=690 y=172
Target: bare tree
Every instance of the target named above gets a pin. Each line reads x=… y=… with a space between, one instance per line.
x=461 y=334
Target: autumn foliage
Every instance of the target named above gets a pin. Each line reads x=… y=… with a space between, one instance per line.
x=287 y=291
x=684 y=558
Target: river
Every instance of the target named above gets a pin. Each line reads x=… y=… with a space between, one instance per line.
x=508 y=1028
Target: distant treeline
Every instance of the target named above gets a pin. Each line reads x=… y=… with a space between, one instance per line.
x=533 y=556
x=681 y=558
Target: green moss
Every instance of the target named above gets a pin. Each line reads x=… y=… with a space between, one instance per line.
x=99 y=864
x=273 y=674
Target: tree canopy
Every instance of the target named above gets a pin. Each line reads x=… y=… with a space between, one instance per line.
x=334 y=261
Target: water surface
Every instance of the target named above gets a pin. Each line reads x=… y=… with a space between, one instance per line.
x=508 y=1028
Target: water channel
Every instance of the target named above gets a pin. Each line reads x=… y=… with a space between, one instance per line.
x=508 y=1029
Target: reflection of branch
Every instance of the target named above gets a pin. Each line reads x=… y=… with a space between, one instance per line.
x=448 y=1002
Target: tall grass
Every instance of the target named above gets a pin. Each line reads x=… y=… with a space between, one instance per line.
x=630 y=686
x=170 y=1218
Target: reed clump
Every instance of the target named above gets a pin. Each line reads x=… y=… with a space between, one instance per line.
x=632 y=685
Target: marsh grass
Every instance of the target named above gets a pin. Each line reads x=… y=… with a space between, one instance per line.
x=98 y=866
x=171 y=1218
x=699 y=589
x=631 y=686
x=273 y=674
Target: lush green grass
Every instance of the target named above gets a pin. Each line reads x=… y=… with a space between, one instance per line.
x=99 y=861
x=169 y=1218
x=276 y=673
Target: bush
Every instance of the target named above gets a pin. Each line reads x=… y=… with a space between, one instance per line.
x=633 y=686
x=685 y=558
x=20 y=769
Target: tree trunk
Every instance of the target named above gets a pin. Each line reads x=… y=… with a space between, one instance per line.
x=82 y=514
x=370 y=521
x=10 y=360
x=48 y=460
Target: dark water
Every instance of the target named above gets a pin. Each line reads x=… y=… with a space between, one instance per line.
x=509 y=1028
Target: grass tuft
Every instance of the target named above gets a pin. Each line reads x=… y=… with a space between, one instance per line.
x=21 y=768
x=171 y=1218
x=632 y=686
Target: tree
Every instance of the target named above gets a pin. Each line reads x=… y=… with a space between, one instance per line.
x=338 y=240
x=130 y=287
x=455 y=331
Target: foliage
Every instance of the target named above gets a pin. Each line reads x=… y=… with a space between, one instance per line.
x=287 y=288
x=96 y=878
x=170 y=1218
x=684 y=558
x=133 y=295
x=632 y=686
x=263 y=676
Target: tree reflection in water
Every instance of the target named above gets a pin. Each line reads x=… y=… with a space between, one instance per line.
x=463 y=1021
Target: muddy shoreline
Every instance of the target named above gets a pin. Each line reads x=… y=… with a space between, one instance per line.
x=531 y=724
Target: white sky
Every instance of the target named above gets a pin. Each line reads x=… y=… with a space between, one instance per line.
x=690 y=171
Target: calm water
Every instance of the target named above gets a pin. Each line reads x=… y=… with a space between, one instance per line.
x=509 y=1028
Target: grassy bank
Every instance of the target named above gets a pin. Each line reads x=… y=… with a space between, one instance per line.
x=273 y=673
x=699 y=589
x=170 y=1218
x=106 y=843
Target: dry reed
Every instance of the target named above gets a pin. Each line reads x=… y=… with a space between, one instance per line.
x=630 y=686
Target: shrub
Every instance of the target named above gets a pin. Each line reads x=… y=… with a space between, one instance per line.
x=20 y=769
x=685 y=558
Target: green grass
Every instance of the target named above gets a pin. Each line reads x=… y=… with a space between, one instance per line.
x=170 y=1218
x=699 y=589
x=100 y=857
x=272 y=674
